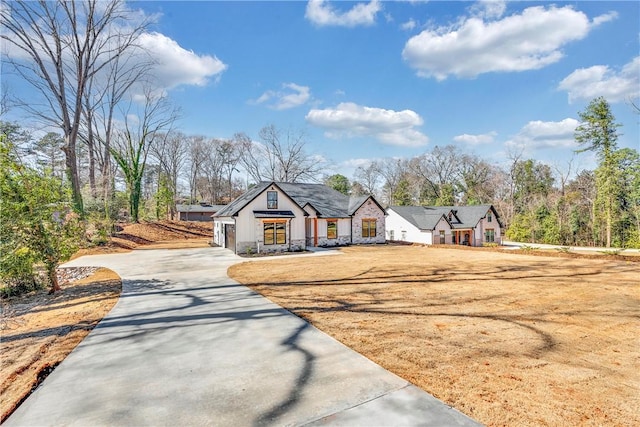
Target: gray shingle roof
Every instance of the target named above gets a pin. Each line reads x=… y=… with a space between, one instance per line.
x=327 y=202
x=198 y=208
x=234 y=207
x=426 y=217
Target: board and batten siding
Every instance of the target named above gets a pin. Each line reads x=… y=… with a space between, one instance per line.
x=250 y=230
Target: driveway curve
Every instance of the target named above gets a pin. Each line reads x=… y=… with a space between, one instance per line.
x=186 y=345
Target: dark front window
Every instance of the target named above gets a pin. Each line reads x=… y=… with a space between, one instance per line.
x=489 y=235
x=368 y=228
x=489 y=218
x=442 y=241
x=275 y=233
x=272 y=200
x=332 y=229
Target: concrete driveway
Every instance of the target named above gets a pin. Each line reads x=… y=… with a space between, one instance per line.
x=186 y=345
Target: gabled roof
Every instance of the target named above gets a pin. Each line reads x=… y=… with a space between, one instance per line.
x=426 y=217
x=421 y=217
x=327 y=202
x=234 y=207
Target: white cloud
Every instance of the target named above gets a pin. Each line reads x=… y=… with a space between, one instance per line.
x=604 y=18
x=486 y=138
x=489 y=8
x=538 y=134
x=177 y=66
x=530 y=40
x=409 y=25
x=387 y=126
x=600 y=80
x=291 y=95
x=323 y=14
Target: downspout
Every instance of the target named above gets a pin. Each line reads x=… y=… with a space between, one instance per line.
x=289 y=227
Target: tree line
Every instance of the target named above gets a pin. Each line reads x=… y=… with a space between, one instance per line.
x=118 y=154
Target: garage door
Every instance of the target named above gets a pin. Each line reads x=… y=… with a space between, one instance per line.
x=230 y=236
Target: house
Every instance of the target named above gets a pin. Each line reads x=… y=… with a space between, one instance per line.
x=201 y=212
x=440 y=225
x=282 y=216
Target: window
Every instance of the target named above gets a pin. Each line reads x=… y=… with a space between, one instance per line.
x=442 y=241
x=275 y=233
x=404 y=235
x=390 y=234
x=489 y=235
x=368 y=228
x=332 y=229
x=489 y=217
x=272 y=200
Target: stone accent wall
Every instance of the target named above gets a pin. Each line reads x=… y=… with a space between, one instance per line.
x=340 y=241
x=368 y=210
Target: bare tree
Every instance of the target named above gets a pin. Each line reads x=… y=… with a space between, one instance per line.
x=171 y=153
x=58 y=47
x=393 y=171
x=280 y=156
x=135 y=139
x=438 y=173
x=197 y=156
x=369 y=177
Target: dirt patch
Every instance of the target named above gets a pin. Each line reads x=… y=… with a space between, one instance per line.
x=509 y=339
x=40 y=330
x=155 y=235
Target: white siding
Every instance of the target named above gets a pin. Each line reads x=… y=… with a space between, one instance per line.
x=249 y=230
x=403 y=230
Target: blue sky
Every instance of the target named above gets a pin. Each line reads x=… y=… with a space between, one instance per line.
x=369 y=80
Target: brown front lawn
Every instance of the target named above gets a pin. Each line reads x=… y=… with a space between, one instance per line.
x=508 y=339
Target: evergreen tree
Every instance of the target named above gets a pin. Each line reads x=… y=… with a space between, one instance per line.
x=598 y=133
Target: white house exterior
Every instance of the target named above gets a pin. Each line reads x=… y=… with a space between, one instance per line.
x=430 y=225
x=277 y=216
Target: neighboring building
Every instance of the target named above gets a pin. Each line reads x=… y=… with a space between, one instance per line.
x=444 y=225
x=201 y=212
x=282 y=216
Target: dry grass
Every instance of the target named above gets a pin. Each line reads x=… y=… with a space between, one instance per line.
x=40 y=330
x=508 y=339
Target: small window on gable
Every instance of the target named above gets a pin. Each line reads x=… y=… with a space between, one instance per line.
x=272 y=200
x=489 y=217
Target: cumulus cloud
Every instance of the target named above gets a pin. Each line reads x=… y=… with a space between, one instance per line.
x=538 y=135
x=529 y=40
x=323 y=14
x=177 y=66
x=291 y=95
x=601 y=80
x=387 y=126
x=486 y=138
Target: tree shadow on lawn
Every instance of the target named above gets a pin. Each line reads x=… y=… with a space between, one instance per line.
x=203 y=305
x=374 y=294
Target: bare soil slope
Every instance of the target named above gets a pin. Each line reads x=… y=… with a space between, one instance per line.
x=507 y=338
